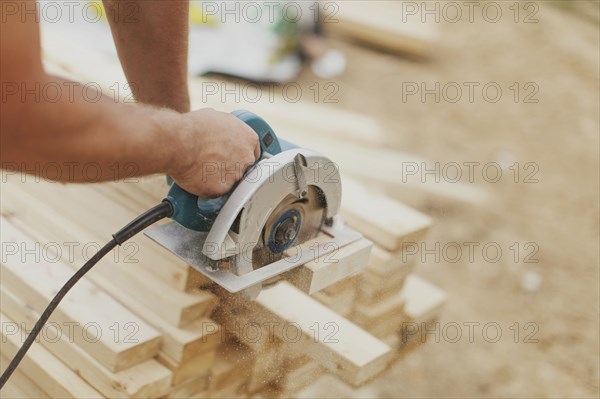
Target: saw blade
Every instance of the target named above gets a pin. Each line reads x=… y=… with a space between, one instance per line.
x=311 y=212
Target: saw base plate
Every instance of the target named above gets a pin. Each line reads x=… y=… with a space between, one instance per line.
x=187 y=245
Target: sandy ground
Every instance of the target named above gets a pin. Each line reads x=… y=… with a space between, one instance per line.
x=559 y=294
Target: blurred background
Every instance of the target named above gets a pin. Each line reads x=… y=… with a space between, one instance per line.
x=501 y=97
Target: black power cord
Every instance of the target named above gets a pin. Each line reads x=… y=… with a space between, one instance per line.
x=151 y=216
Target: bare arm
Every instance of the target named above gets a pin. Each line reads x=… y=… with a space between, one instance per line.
x=74 y=132
x=152 y=43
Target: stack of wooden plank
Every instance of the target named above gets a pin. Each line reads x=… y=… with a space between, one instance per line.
x=145 y=324
x=136 y=333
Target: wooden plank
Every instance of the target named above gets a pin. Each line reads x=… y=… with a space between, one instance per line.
x=423 y=301
x=231 y=368
x=20 y=386
x=190 y=369
x=387 y=25
x=386 y=311
x=423 y=305
x=340 y=297
x=196 y=388
x=383 y=220
x=353 y=354
x=38 y=280
x=13 y=391
x=384 y=277
x=103 y=219
x=328 y=270
x=300 y=373
x=371 y=292
x=268 y=368
x=250 y=329
x=144 y=380
x=188 y=342
x=53 y=376
x=384 y=263
x=42 y=222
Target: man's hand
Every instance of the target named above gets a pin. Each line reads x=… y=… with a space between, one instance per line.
x=217 y=150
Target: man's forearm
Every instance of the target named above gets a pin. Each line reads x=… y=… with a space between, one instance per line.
x=73 y=140
x=152 y=43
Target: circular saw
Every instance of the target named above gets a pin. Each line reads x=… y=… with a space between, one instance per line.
x=281 y=215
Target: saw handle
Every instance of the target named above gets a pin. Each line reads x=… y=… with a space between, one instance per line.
x=198 y=213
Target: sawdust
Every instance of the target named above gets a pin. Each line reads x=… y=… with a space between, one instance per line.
x=553 y=221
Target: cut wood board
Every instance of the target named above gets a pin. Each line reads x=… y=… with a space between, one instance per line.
x=145 y=380
x=53 y=376
x=353 y=353
x=327 y=270
x=38 y=280
x=389 y=25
